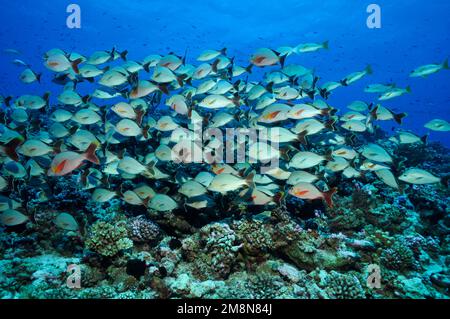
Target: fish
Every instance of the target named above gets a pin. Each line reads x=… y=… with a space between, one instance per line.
x=304 y=190
x=303 y=160
x=438 y=125
x=266 y=57
x=66 y=221
x=66 y=162
x=226 y=182
x=393 y=93
x=208 y=55
x=382 y=113
x=358 y=106
x=353 y=77
x=418 y=176
x=29 y=76
x=387 y=177
x=162 y=203
x=376 y=153
x=426 y=70
x=192 y=188
x=379 y=88
x=311 y=47
x=130 y=128
x=12 y=217
x=404 y=137
x=61 y=63
x=34 y=148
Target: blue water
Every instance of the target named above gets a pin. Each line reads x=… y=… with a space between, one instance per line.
x=413 y=33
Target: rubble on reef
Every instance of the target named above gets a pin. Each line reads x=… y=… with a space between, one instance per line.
x=281 y=253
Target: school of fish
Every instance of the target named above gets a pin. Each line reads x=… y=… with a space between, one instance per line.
x=125 y=129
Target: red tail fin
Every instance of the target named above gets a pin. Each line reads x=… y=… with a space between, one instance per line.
x=90 y=154
x=328 y=197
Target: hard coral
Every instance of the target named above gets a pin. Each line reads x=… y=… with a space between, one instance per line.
x=108 y=239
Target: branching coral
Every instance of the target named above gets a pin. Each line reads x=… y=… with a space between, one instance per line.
x=108 y=239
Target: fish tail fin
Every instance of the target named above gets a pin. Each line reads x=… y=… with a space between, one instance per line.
x=38 y=77
x=86 y=98
x=399 y=117
x=236 y=100
x=328 y=111
x=11 y=148
x=302 y=137
x=373 y=112
x=282 y=60
x=147 y=67
x=445 y=64
x=325 y=45
x=75 y=65
x=151 y=168
x=164 y=88
x=57 y=146
x=146 y=201
x=344 y=82
x=330 y=124
x=145 y=131
x=249 y=68
x=351 y=139
x=223 y=51
x=284 y=153
x=424 y=139
x=139 y=115
x=369 y=69
x=214 y=65
x=328 y=197
x=90 y=80
x=90 y=154
x=269 y=87
x=249 y=180
x=279 y=197
x=124 y=54
x=408 y=89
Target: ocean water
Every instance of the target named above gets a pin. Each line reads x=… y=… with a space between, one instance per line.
x=232 y=249
x=413 y=33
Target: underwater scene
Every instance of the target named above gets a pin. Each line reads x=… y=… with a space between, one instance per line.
x=291 y=149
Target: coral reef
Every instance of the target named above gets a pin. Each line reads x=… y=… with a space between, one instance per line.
x=297 y=250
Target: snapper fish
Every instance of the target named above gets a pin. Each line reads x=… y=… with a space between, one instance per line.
x=429 y=69
x=162 y=203
x=29 y=76
x=418 y=176
x=404 y=137
x=13 y=217
x=266 y=57
x=438 y=125
x=32 y=102
x=226 y=182
x=66 y=162
x=379 y=88
x=376 y=153
x=382 y=113
x=311 y=47
x=393 y=93
x=61 y=63
x=208 y=55
x=304 y=190
x=353 y=77
x=359 y=106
